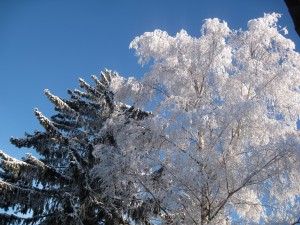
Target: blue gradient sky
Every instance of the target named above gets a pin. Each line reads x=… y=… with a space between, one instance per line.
x=50 y=44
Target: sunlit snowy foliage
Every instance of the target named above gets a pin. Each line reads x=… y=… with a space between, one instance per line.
x=221 y=145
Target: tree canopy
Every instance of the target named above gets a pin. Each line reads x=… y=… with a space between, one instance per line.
x=60 y=188
x=220 y=145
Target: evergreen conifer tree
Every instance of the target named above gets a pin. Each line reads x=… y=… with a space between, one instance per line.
x=59 y=188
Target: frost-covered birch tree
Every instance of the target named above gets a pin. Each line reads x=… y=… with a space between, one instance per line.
x=222 y=145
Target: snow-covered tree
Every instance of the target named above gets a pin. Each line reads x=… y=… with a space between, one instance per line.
x=222 y=145
x=60 y=187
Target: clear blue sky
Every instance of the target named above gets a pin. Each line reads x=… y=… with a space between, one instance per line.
x=50 y=44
